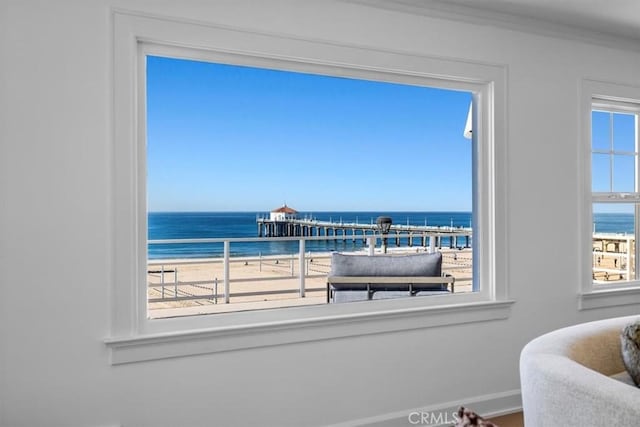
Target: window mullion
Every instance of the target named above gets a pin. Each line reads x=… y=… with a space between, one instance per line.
x=611 y=163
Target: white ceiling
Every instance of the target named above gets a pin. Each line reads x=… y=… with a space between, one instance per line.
x=615 y=17
x=606 y=20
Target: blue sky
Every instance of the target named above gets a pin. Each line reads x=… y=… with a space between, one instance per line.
x=613 y=133
x=613 y=143
x=229 y=138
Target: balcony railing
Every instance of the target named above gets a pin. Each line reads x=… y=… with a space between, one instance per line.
x=297 y=274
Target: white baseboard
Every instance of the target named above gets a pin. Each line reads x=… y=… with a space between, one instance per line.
x=442 y=414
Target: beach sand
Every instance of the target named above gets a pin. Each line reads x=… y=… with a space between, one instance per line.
x=610 y=258
x=260 y=283
x=611 y=268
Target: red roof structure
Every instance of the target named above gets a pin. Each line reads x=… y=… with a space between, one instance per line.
x=285 y=209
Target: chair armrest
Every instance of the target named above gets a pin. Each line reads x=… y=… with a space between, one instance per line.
x=391 y=279
x=381 y=280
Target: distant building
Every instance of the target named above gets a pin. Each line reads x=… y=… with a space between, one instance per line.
x=283 y=213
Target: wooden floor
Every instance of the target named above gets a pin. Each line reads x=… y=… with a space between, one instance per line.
x=511 y=420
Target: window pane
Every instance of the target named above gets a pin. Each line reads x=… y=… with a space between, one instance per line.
x=600 y=172
x=229 y=146
x=624 y=132
x=623 y=173
x=600 y=130
x=613 y=256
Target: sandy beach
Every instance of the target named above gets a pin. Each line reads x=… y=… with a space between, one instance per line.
x=259 y=282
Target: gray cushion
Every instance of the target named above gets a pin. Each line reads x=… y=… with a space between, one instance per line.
x=349 y=296
x=423 y=265
x=386 y=265
x=390 y=294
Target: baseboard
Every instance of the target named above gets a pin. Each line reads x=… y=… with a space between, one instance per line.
x=442 y=414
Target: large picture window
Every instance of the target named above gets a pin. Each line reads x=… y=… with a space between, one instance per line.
x=146 y=170
x=228 y=146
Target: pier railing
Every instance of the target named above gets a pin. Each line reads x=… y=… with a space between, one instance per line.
x=215 y=286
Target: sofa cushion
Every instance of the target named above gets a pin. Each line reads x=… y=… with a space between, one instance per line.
x=422 y=265
x=564 y=377
x=630 y=347
x=386 y=265
x=349 y=296
x=623 y=377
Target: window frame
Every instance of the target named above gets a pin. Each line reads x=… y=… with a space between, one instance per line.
x=615 y=97
x=133 y=337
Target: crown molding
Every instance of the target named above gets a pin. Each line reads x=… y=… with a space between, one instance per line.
x=478 y=16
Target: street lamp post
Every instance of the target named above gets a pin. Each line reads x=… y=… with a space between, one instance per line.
x=384 y=225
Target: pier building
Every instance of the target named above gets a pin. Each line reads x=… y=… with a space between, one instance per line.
x=283 y=213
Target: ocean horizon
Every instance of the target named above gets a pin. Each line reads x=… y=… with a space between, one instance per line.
x=222 y=224
x=198 y=225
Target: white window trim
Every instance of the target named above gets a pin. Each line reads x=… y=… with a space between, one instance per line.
x=599 y=93
x=133 y=337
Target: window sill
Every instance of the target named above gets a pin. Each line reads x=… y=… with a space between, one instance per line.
x=204 y=341
x=601 y=298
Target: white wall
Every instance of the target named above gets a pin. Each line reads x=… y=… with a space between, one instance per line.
x=55 y=229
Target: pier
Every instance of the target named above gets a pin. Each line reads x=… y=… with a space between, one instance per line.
x=432 y=236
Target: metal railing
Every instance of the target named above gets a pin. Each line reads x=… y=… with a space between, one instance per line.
x=287 y=263
x=218 y=289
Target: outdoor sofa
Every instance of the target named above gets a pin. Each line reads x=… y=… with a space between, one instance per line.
x=362 y=277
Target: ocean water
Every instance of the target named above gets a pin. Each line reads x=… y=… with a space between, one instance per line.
x=194 y=225
x=197 y=225
x=613 y=223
